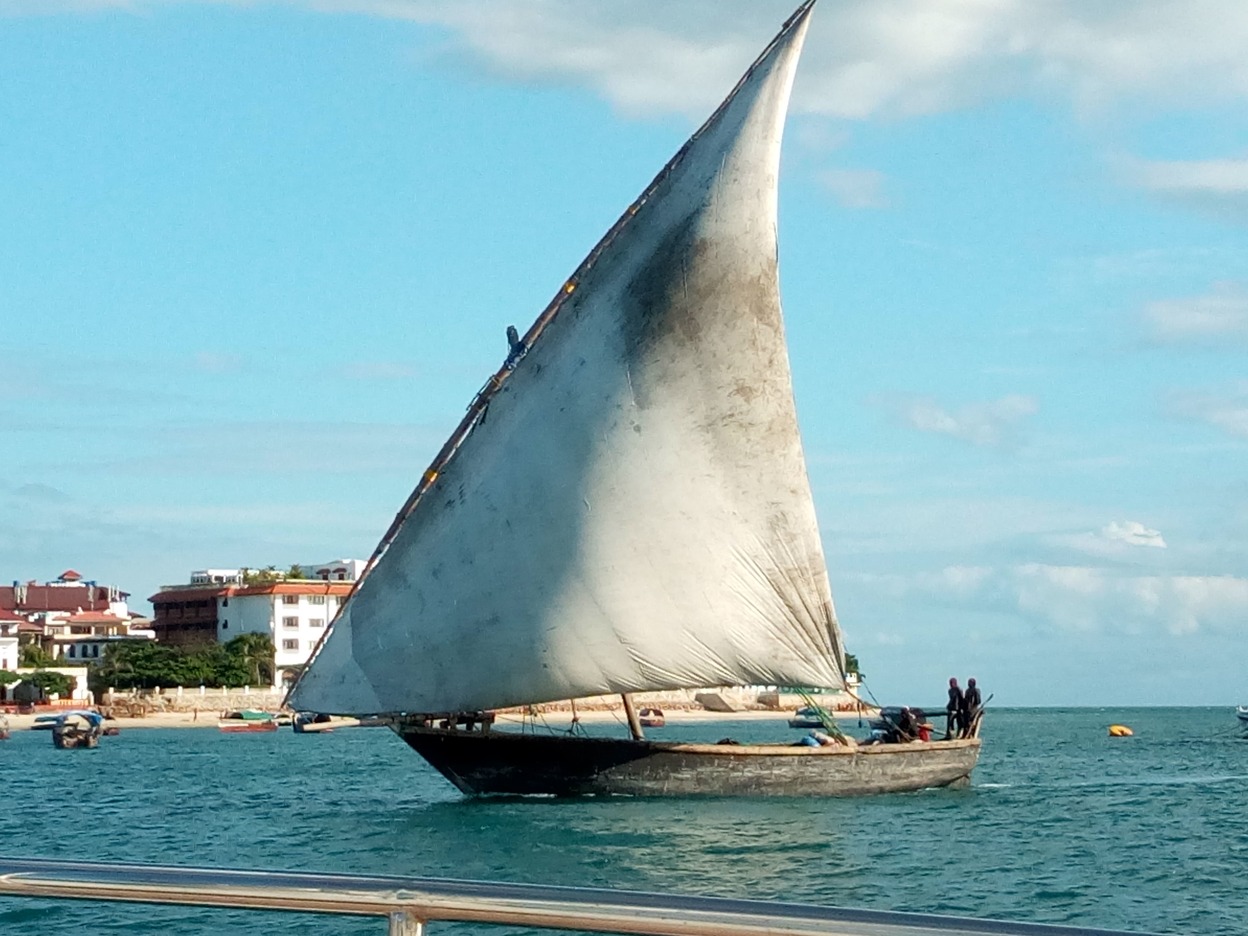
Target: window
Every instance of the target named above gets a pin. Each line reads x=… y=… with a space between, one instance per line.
x=290 y=645
x=316 y=599
x=316 y=622
x=290 y=622
x=72 y=648
x=225 y=602
x=95 y=650
x=225 y=625
x=290 y=599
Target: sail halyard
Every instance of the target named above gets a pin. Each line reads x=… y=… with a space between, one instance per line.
x=778 y=576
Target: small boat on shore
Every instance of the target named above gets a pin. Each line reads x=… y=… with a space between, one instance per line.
x=315 y=723
x=806 y=717
x=248 y=721
x=651 y=718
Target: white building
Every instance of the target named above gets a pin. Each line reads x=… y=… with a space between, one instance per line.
x=217 y=577
x=293 y=613
x=9 y=624
x=336 y=570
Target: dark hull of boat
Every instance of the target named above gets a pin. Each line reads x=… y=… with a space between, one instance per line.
x=500 y=762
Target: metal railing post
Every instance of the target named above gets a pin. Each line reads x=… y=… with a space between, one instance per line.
x=403 y=923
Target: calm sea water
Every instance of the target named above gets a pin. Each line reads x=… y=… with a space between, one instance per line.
x=1062 y=825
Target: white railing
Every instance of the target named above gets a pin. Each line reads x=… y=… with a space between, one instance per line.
x=410 y=903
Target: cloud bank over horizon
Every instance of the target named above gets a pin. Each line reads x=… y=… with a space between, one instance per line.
x=892 y=58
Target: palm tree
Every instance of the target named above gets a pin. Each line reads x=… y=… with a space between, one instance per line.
x=254 y=653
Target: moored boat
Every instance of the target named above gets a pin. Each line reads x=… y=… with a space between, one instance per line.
x=248 y=721
x=650 y=717
x=1241 y=711
x=77 y=729
x=634 y=515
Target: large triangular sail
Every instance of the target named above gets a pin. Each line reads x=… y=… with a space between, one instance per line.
x=628 y=508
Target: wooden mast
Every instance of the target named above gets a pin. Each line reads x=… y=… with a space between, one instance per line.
x=634 y=723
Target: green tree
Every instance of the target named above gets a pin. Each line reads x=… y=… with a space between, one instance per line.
x=49 y=683
x=254 y=654
x=33 y=656
x=296 y=572
x=8 y=678
x=851 y=665
x=137 y=664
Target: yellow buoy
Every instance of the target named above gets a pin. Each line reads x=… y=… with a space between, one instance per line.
x=1120 y=731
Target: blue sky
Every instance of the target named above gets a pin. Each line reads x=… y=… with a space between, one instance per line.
x=255 y=259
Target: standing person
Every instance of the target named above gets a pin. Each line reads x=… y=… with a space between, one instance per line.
x=971 y=704
x=954 y=709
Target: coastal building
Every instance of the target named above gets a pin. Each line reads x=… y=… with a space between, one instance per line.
x=294 y=614
x=67 y=594
x=9 y=627
x=82 y=636
x=219 y=604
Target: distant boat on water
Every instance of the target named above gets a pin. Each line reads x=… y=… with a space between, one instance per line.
x=1241 y=712
x=77 y=729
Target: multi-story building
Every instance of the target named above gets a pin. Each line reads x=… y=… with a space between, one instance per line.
x=294 y=614
x=84 y=635
x=68 y=594
x=220 y=604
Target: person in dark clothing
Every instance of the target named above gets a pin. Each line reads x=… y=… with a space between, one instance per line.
x=954 y=709
x=907 y=725
x=971 y=704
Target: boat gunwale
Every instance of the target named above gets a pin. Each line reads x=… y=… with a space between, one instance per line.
x=784 y=749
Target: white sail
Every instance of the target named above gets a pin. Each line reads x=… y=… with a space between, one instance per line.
x=628 y=509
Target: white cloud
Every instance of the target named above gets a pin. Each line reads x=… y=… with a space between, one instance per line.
x=864 y=58
x=855 y=188
x=990 y=425
x=1133 y=534
x=1215 y=317
x=1226 y=409
x=1087 y=599
x=1114 y=540
x=1222 y=177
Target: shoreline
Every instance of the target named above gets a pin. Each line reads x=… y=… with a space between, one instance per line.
x=208 y=719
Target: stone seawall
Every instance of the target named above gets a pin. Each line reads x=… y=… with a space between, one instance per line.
x=191 y=700
x=722 y=699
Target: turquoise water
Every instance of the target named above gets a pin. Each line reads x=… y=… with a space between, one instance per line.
x=1062 y=825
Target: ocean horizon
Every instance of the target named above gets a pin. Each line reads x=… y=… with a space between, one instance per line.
x=1062 y=824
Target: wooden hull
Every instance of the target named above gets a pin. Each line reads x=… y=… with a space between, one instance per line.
x=246 y=727
x=69 y=741
x=500 y=762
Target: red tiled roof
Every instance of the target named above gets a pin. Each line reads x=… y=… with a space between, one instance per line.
x=93 y=617
x=57 y=597
x=69 y=575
